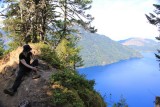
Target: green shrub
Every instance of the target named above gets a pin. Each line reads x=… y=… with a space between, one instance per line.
x=13 y=45
x=70 y=88
x=1 y=52
x=50 y=56
x=67 y=98
x=121 y=103
x=1 y=48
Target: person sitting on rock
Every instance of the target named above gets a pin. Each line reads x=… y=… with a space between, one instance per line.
x=24 y=68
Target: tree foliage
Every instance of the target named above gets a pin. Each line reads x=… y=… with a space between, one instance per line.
x=154 y=19
x=121 y=103
x=48 y=21
x=34 y=20
x=73 y=90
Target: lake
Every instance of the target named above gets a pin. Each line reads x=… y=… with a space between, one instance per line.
x=137 y=80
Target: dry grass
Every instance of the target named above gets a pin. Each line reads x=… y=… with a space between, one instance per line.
x=11 y=60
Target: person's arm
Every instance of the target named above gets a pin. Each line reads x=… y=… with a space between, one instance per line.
x=33 y=56
x=27 y=65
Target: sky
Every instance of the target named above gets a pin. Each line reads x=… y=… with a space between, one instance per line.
x=122 y=19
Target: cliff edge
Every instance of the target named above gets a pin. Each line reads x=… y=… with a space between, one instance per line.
x=34 y=91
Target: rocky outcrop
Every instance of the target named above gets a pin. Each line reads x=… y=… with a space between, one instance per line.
x=35 y=91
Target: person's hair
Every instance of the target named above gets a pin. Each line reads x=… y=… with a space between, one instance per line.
x=26 y=48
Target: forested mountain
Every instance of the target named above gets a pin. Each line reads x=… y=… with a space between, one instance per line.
x=100 y=50
x=142 y=45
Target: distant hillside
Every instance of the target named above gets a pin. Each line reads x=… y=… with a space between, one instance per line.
x=142 y=45
x=100 y=50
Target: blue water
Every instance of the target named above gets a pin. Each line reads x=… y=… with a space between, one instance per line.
x=137 y=80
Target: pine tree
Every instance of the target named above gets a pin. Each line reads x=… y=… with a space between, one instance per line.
x=33 y=20
x=26 y=20
x=70 y=14
x=49 y=21
x=154 y=19
x=121 y=103
x=69 y=53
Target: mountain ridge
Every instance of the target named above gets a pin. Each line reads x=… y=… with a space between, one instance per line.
x=141 y=44
x=101 y=50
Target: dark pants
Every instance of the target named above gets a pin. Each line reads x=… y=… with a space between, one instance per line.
x=21 y=74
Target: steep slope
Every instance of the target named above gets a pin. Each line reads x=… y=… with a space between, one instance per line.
x=35 y=91
x=140 y=44
x=66 y=88
x=100 y=50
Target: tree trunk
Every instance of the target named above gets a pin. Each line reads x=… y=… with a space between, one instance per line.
x=157 y=102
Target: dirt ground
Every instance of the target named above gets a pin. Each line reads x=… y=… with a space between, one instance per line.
x=35 y=91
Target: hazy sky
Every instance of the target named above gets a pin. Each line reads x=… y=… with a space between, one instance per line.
x=121 y=19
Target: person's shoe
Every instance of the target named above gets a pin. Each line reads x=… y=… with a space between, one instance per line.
x=36 y=76
x=9 y=91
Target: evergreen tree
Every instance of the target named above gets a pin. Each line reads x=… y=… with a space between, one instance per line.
x=71 y=13
x=69 y=53
x=49 y=21
x=121 y=103
x=154 y=19
x=23 y=20
x=32 y=20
